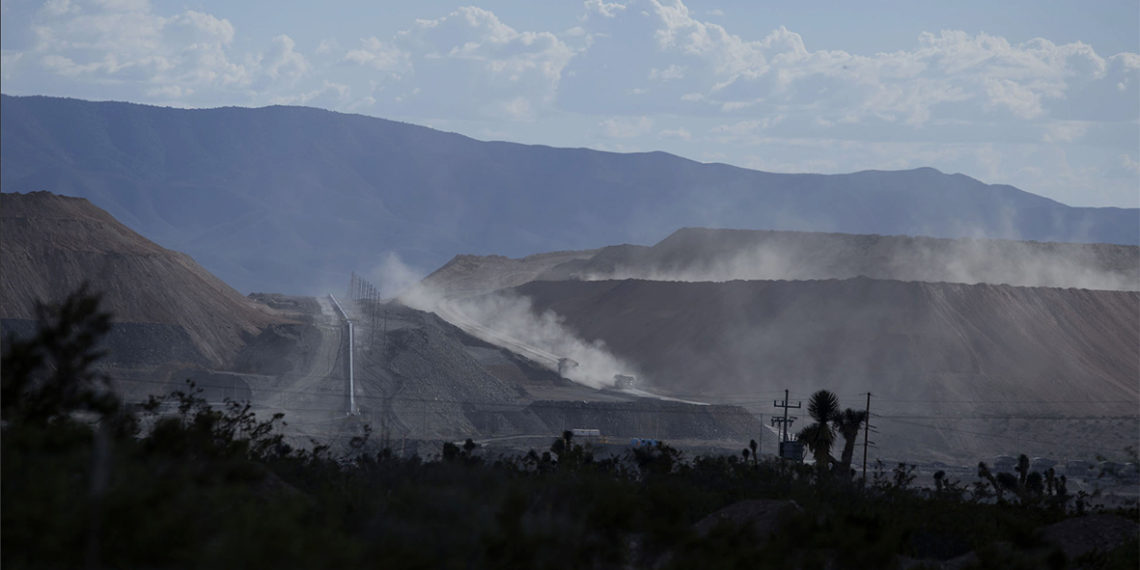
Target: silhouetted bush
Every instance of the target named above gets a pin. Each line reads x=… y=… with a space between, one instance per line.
x=84 y=485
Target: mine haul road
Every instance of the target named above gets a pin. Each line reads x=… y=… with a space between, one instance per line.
x=315 y=400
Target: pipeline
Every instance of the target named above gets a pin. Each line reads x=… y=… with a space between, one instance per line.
x=351 y=383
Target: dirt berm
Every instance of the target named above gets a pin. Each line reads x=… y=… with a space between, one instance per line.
x=928 y=352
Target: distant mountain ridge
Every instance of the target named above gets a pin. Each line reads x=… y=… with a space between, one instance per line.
x=292 y=199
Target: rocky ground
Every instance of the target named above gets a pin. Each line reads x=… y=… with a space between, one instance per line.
x=957 y=372
x=971 y=348
x=50 y=245
x=418 y=382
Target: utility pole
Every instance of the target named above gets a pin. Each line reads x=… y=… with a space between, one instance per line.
x=785 y=405
x=866 y=429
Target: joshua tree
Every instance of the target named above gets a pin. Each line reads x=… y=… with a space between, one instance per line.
x=570 y=455
x=823 y=407
x=848 y=424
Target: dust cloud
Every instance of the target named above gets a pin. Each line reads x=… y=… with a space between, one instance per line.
x=727 y=255
x=510 y=321
x=393 y=276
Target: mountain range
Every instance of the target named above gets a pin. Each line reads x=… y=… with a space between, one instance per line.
x=292 y=199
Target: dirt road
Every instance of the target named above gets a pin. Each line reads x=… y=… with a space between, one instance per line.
x=314 y=399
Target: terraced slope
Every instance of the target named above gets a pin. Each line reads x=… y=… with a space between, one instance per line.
x=891 y=336
x=703 y=254
x=925 y=350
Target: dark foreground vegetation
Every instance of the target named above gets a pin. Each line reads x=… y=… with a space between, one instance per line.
x=90 y=482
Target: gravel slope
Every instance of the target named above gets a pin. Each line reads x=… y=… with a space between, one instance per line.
x=51 y=244
x=993 y=360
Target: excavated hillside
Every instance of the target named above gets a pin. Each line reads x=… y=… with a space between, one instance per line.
x=477 y=274
x=50 y=245
x=700 y=254
x=923 y=349
x=974 y=335
x=416 y=377
x=897 y=337
x=420 y=379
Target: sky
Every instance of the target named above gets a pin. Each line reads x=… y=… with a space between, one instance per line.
x=1043 y=95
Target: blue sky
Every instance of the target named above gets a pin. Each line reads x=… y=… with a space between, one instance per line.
x=1042 y=95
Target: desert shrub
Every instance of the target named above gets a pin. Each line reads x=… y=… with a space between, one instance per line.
x=84 y=485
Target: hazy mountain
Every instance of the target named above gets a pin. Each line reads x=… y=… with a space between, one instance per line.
x=287 y=198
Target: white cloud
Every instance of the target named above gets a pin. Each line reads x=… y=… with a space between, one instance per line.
x=9 y=59
x=518 y=109
x=1019 y=99
x=680 y=133
x=747 y=128
x=1130 y=61
x=478 y=36
x=327 y=46
x=380 y=55
x=471 y=62
x=1127 y=69
x=1064 y=131
x=126 y=43
x=59 y=7
x=945 y=75
x=603 y=8
x=201 y=28
x=626 y=127
x=669 y=73
x=169 y=92
x=123 y=5
x=1130 y=164
x=730 y=106
x=283 y=62
x=329 y=94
